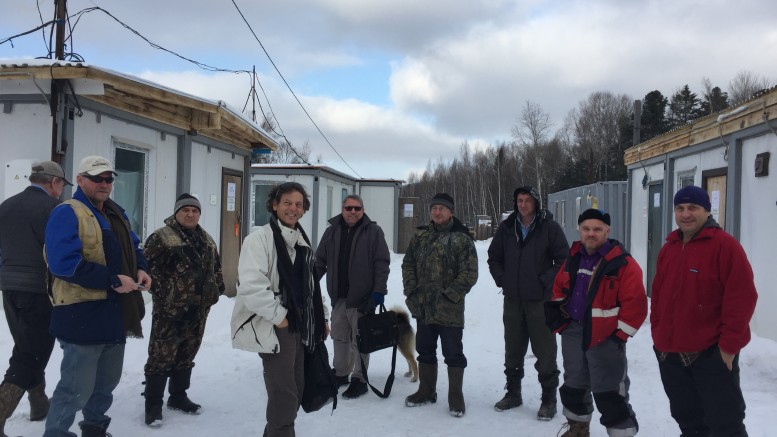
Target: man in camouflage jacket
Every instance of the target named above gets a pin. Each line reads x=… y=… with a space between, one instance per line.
x=185 y=265
x=439 y=269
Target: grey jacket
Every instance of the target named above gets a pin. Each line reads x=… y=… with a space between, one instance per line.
x=369 y=263
x=525 y=268
x=23 y=220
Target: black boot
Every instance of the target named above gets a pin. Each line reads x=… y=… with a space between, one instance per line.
x=39 y=402
x=512 y=398
x=357 y=389
x=548 y=406
x=154 y=393
x=94 y=429
x=179 y=383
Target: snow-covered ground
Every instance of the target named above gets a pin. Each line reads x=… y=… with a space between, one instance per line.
x=229 y=385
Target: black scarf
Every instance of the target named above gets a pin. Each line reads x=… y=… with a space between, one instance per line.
x=309 y=318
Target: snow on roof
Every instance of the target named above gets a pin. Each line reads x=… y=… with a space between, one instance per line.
x=33 y=62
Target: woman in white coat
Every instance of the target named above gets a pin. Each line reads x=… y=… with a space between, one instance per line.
x=279 y=310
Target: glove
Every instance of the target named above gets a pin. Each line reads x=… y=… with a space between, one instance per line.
x=371 y=303
x=377 y=298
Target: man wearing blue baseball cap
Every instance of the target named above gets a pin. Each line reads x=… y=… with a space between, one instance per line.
x=703 y=299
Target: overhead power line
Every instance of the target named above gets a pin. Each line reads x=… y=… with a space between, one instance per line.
x=254 y=79
x=291 y=90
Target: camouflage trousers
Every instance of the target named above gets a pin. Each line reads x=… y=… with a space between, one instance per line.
x=174 y=343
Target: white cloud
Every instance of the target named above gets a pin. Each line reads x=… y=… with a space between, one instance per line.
x=460 y=70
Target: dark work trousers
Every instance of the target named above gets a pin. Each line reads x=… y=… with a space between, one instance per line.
x=28 y=316
x=524 y=323
x=284 y=379
x=452 y=348
x=601 y=370
x=705 y=398
x=173 y=344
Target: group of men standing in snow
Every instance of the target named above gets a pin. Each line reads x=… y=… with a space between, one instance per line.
x=703 y=297
x=592 y=294
x=89 y=301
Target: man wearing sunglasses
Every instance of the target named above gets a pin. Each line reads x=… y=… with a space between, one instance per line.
x=98 y=267
x=354 y=255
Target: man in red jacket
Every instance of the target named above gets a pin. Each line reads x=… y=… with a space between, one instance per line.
x=598 y=303
x=702 y=302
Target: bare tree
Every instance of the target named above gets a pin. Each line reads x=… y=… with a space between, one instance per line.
x=746 y=84
x=598 y=126
x=532 y=133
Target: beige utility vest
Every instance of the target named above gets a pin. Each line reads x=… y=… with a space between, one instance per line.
x=91 y=236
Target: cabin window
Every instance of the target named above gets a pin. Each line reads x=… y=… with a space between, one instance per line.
x=130 y=189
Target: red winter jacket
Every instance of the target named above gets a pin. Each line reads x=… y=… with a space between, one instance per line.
x=615 y=304
x=703 y=293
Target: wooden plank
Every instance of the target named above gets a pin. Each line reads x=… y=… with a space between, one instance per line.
x=706 y=129
x=154 y=103
x=142 y=89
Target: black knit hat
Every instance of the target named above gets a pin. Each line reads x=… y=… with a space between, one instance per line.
x=528 y=189
x=442 y=199
x=186 y=199
x=593 y=213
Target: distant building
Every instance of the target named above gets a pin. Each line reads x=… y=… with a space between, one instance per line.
x=610 y=196
x=327 y=188
x=728 y=154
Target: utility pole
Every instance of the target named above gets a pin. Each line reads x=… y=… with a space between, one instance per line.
x=57 y=107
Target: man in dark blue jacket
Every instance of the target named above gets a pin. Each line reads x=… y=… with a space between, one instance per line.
x=23 y=281
x=98 y=267
x=524 y=257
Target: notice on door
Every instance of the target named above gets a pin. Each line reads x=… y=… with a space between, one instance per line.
x=231 y=190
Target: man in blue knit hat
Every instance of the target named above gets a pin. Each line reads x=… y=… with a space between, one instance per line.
x=702 y=301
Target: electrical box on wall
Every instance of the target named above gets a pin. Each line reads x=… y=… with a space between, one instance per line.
x=17 y=173
x=761 y=166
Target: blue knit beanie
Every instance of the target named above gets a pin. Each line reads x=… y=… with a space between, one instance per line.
x=693 y=194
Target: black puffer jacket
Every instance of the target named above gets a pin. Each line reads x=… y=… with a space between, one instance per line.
x=23 y=220
x=525 y=268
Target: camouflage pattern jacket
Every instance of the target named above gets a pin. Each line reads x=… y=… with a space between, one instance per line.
x=439 y=269
x=185 y=268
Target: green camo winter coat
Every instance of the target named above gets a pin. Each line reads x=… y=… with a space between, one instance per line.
x=439 y=269
x=185 y=268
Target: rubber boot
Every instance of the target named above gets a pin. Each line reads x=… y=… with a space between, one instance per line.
x=548 y=406
x=512 y=398
x=455 y=394
x=39 y=402
x=178 y=400
x=154 y=394
x=427 y=386
x=10 y=395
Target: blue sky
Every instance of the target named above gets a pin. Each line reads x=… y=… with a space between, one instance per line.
x=396 y=83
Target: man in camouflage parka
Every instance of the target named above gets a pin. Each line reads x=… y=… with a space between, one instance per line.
x=439 y=269
x=185 y=266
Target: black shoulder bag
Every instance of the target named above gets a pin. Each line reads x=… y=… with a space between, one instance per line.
x=320 y=386
x=376 y=332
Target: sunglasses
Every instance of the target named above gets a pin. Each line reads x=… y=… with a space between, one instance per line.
x=99 y=179
x=352 y=208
